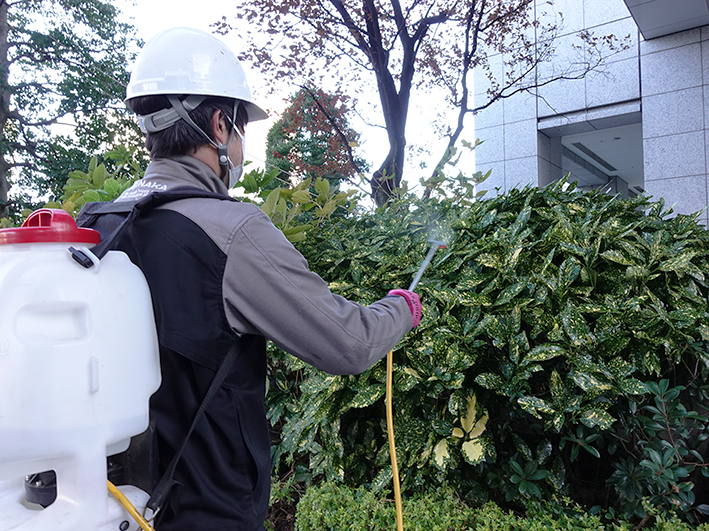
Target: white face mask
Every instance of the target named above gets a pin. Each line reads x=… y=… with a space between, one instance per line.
x=235 y=172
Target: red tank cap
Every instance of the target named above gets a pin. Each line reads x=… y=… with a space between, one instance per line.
x=48 y=225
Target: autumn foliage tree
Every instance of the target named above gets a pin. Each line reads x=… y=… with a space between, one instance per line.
x=402 y=47
x=313 y=138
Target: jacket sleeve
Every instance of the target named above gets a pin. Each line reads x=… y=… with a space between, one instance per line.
x=269 y=290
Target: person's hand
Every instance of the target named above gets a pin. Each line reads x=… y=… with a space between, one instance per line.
x=412 y=299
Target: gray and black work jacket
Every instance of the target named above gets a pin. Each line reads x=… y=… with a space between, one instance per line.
x=220 y=272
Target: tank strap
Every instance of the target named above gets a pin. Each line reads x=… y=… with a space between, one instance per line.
x=163 y=492
x=133 y=209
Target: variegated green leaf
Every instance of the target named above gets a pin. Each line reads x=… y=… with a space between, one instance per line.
x=548 y=260
x=494 y=327
x=470 y=414
x=522 y=219
x=411 y=435
x=513 y=257
x=556 y=386
x=569 y=271
x=636 y=273
x=534 y=405
x=356 y=271
x=632 y=250
x=383 y=479
x=652 y=362
x=617 y=257
x=488 y=218
x=318 y=383
x=574 y=324
x=541 y=295
x=677 y=263
x=632 y=386
x=704 y=331
x=588 y=382
x=490 y=260
x=367 y=396
x=441 y=456
x=593 y=417
x=695 y=272
x=475 y=299
x=490 y=381
x=473 y=451
x=479 y=427
x=542 y=353
x=510 y=292
x=471 y=281
x=685 y=317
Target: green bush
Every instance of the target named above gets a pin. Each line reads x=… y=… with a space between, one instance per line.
x=100 y=183
x=336 y=507
x=330 y=507
x=546 y=323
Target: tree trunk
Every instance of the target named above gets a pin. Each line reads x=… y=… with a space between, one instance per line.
x=4 y=108
x=388 y=177
x=395 y=106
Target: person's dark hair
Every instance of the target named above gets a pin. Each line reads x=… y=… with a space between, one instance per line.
x=181 y=138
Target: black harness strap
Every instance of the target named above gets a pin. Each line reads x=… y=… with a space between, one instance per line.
x=134 y=209
x=161 y=492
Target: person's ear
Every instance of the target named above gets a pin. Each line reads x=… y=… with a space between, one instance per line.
x=219 y=129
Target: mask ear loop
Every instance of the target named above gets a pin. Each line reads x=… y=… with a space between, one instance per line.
x=222 y=150
x=232 y=122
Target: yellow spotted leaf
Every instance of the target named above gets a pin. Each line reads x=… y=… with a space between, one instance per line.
x=412 y=372
x=479 y=427
x=457 y=432
x=469 y=418
x=440 y=453
x=473 y=451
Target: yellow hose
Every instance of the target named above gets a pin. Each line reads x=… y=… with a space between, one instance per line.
x=392 y=446
x=125 y=502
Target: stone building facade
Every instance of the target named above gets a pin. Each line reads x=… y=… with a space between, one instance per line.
x=640 y=124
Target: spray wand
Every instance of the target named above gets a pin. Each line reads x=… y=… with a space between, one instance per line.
x=435 y=245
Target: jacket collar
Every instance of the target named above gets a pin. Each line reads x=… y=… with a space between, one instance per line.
x=164 y=174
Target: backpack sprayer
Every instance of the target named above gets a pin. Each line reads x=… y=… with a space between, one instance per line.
x=435 y=245
x=78 y=364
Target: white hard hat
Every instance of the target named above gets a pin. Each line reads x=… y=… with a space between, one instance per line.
x=190 y=61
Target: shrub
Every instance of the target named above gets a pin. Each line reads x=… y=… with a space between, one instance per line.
x=335 y=507
x=550 y=314
x=331 y=507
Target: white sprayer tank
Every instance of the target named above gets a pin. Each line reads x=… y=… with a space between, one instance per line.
x=78 y=364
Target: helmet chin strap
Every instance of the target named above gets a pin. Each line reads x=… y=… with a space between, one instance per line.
x=223 y=154
x=164 y=118
x=228 y=168
x=182 y=108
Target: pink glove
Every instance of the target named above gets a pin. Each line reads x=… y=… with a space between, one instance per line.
x=412 y=299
